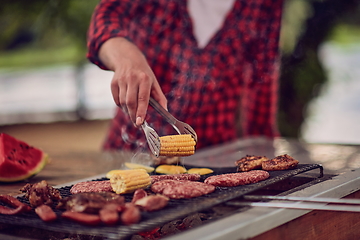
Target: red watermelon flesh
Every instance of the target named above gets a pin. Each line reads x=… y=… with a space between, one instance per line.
x=19 y=160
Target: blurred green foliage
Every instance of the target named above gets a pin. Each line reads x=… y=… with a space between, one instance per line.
x=42 y=32
x=306 y=25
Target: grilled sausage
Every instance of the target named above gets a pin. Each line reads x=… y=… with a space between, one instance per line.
x=109 y=214
x=131 y=214
x=83 y=218
x=138 y=194
x=152 y=202
x=45 y=213
x=16 y=206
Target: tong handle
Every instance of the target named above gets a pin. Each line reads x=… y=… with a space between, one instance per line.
x=180 y=127
x=165 y=114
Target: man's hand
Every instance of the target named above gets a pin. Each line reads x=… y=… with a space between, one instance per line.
x=133 y=81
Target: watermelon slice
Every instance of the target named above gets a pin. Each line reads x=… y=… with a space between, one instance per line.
x=18 y=160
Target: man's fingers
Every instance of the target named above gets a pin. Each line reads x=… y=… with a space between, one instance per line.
x=143 y=103
x=115 y=92
x=122 y=96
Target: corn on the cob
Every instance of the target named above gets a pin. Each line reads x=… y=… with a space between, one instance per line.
x=170 y=169
x=177 y=145
x=112 y=172
x=127 y=181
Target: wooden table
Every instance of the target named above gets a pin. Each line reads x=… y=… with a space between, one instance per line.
x=68 y=167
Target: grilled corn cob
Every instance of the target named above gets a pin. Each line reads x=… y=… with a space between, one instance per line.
x=127 y=181
x=112 y=172
x=177 y=145
x=170 y=169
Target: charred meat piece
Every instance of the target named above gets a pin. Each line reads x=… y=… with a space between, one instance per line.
x=40 y=193
x=91 y=186
x=177 y=189
x=237 y=179
x=90 y=202
x=152 y=202
x=282 y=162
x=249 y=163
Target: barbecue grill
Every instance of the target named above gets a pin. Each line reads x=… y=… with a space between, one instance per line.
x=307 y=180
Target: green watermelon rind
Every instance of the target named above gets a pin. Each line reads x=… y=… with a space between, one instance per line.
x=36 y=170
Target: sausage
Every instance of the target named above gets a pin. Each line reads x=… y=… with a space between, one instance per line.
x=45 y=213
x=152 y=202
x=138 y=194
x=17 y=206
x=131 y=214
x=109 y=214
x=83 y=218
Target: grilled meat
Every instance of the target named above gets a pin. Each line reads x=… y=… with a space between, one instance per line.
x=91 y=186
x=83 y=218
x=282 y=162
x=237 y=179
x=152 y=202
x=45 y=213
x=177 y=189
x=180 y=176
x=249 y=163
x=131 y=214
x=12 y=206
x=90 y=202
x=40 y=193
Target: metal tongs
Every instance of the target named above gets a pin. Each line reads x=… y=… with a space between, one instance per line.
x=151 y=135
x=292 y=202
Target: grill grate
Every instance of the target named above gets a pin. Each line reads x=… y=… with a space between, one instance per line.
x=176 y=208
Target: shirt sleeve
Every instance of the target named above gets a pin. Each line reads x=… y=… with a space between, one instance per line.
x=111 y=18
x=260 y=97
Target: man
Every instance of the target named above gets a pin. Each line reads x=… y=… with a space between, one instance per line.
x=213 y=64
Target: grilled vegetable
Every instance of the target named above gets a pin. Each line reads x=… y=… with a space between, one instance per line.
x=127 y=181
x=201 y=171
x=170 y=169
x=112 y=172
x=139 y=166
x=177 y=145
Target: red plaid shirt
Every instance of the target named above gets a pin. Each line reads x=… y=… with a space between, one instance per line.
x=226 y=90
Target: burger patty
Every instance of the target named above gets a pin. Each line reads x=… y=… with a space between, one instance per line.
x=184 y=176
x=249 y=163
x=237 y=179
x=177 y=189
x=282 y=162
x=91 y=186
